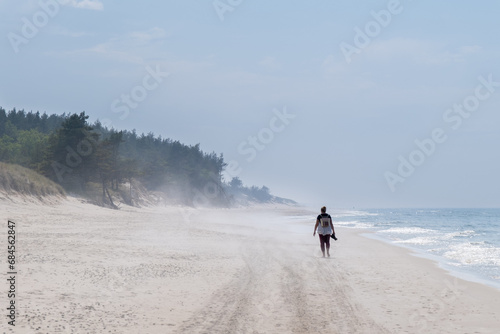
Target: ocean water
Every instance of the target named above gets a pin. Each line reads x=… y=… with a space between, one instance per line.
x=465 y=242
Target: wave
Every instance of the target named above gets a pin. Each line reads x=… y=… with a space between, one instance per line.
x=459 y=234
x=407 y=230
x=353 y=224
x=354 y=213
x=418 y=241
x=474 y=254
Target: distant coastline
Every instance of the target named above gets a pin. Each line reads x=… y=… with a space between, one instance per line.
x=65 y=154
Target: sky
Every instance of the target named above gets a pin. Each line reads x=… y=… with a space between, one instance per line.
x=340 y=103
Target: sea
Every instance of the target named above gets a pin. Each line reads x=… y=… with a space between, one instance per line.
x=465 y=242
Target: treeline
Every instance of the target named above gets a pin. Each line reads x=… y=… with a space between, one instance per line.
x=83 y=157
x=236 y=188
x=105 y=164
x=242 y=194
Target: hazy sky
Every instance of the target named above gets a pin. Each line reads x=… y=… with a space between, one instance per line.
x=322 y=101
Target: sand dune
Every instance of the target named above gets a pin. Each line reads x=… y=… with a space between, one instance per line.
x=85 y=269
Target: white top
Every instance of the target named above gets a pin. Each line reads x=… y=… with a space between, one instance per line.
x=324 y=219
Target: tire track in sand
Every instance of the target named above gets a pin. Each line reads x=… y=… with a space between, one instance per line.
x=282 y=291
x=230 y=309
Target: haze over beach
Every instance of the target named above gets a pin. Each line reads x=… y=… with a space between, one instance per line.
x=163 y=165
x=359 y=99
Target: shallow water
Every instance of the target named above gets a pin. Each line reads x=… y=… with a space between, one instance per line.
x=463 y=241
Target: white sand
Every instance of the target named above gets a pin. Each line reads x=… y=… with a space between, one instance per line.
x=85 y=269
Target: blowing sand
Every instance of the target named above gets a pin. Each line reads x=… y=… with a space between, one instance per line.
x=86 y=269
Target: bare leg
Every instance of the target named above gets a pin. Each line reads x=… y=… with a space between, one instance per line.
x=327 y=244
x=322 y=244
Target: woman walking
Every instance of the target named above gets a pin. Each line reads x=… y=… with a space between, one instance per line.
x=324 y=225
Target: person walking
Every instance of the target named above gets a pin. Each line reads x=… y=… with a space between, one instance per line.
x=324 y=225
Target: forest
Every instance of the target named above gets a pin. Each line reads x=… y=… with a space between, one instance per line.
x=106 y=165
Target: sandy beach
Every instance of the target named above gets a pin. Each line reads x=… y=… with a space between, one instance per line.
x=87 y=269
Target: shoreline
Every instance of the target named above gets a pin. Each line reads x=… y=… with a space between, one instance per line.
x=178 y=270
x=448 y=303
x=468 y=265
x=439 y=261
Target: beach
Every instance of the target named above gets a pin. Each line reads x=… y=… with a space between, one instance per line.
x=87 y=269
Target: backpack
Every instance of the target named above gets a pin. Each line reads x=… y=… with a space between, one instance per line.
x=324 y=221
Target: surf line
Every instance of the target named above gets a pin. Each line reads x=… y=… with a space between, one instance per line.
x=454 y=117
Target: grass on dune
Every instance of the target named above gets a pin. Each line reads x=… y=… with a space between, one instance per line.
x=15 y=179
